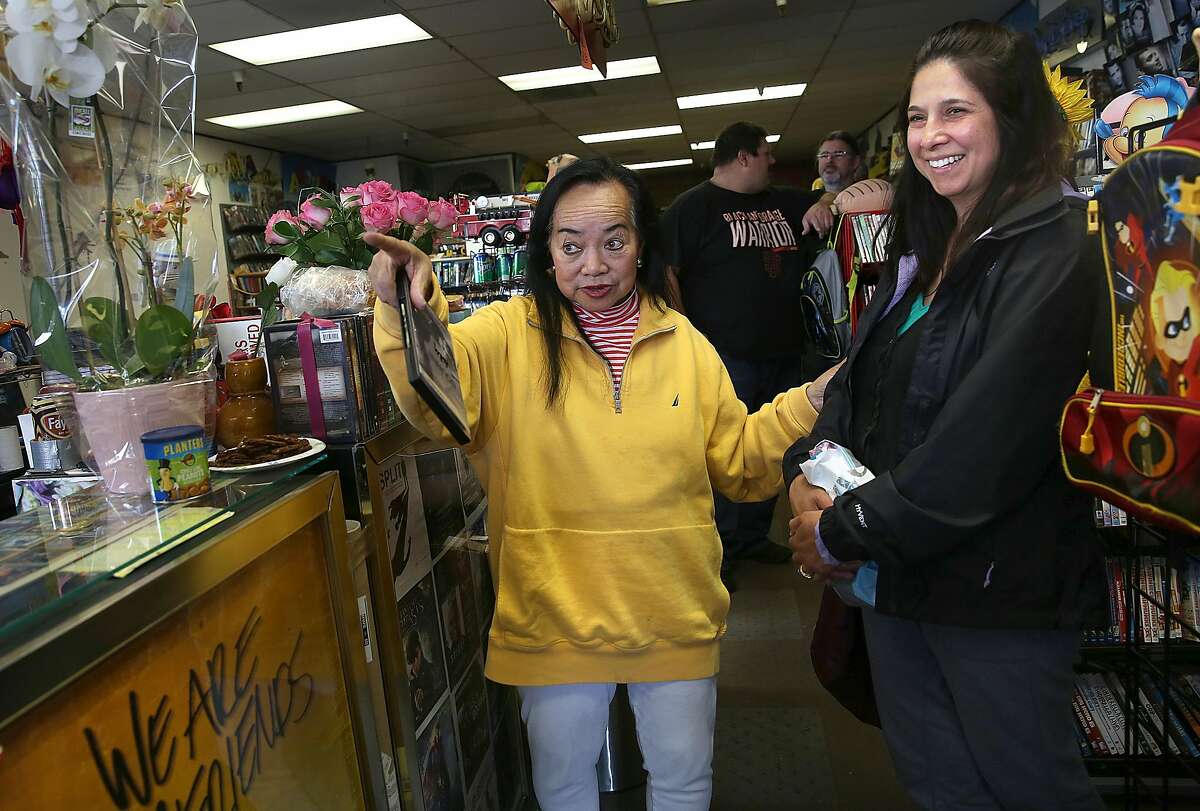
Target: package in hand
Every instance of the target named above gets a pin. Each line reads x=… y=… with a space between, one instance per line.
x=836 y=471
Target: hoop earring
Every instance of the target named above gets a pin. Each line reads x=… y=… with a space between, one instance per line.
x=639 y=261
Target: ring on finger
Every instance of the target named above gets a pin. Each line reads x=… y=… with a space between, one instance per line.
x=803 y=573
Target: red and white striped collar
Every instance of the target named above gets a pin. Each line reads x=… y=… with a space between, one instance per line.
x=616 y=315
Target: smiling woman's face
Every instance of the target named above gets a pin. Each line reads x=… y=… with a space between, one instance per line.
x=594 y=245
x=953 y=137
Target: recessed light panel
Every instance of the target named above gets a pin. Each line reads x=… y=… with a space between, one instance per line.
x=783 y=91
x=284 y=115
x=322 y=40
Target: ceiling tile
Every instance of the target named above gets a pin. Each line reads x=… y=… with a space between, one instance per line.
x=211 y=86
x=409 y=56
x=309 y=13
x=264 y=100
x=475 y=16
x=234 y=19
x=439 y=76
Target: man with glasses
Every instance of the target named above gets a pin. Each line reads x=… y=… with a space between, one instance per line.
x=839 y=161
x=737 y=253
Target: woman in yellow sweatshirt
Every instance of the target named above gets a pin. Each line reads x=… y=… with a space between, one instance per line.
x=600 y=421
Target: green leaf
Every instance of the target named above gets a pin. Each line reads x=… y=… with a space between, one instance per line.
x=162 y=334
x=105 y=324
x=425 y=241
x=185 y=293
x=134 y=365
x=326 y=256
x=323 y=202
x=286 y=230
x=49 y=330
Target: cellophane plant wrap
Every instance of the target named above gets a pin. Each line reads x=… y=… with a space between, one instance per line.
x=119 y=246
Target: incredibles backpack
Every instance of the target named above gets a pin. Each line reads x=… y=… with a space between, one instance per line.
x=1138 y=446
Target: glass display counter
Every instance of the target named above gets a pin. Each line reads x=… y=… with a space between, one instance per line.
x=199 y=655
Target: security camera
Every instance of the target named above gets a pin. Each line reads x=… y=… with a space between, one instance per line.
x=239 y=80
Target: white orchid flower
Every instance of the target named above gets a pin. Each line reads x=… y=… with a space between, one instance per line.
x=162 y=15
x=25 y=16
x=37 y=62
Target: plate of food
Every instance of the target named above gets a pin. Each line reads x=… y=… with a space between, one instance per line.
x=264 y=453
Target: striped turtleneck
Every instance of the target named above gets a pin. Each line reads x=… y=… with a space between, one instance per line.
x=611 y=333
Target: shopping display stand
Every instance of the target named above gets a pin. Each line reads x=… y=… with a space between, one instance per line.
x=1148 y=671
x=862 y=262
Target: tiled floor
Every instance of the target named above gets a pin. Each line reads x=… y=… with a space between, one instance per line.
x=782 y=742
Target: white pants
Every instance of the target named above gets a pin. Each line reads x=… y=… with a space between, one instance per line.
x=675 y=723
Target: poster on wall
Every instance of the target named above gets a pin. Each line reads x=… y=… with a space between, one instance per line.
x=437 y=754
x=300 y=172
x=421 y=642
x=404 y=521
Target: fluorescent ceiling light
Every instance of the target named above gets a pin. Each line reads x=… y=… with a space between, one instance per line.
x=629 y=135
x=783 y=91
x=284 y=115
x=305 y=43
x=659 y=164
x=710 y=144
x=557 y=77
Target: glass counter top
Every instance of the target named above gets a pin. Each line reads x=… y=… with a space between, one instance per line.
x=55 y=557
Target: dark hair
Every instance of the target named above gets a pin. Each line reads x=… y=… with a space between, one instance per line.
x=734 y=138
x=552 y=307
x=846 y=138
x=1034 y=144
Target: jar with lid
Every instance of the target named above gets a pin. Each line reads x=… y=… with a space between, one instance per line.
x=248 y=413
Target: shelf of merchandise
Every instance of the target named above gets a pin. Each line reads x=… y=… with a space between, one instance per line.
x=1147 y=780
x=247 y=268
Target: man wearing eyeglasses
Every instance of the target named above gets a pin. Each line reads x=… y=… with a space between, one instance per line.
x=737 y=249
x=839 y=161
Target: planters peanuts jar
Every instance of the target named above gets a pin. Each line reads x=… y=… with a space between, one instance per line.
x=177 y=462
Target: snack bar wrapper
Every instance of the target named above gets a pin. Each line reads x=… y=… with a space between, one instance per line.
x=835 y=470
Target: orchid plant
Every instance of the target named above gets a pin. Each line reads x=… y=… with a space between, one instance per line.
x=57 y=47
x=328 y=229
x=125 y=272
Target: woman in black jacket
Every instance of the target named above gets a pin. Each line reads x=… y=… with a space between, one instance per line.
x=951 y=394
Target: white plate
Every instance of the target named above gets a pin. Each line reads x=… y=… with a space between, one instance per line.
x=315 y=447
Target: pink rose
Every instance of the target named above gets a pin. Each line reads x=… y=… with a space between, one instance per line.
x=351 y=197
x=376 y=191
x=412 y=207
x=287 y=217
x=379 y=217
x=442 y=215
x=313 y=214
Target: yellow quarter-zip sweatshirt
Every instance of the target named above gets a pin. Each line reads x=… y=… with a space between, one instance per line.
x=604 y=552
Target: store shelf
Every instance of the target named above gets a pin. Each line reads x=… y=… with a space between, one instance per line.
x=20 y=374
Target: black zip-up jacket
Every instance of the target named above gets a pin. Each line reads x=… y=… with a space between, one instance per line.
x=976 y=525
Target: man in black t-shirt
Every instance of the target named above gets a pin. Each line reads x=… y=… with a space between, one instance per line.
x=737 y=251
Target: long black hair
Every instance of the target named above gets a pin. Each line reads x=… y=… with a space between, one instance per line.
x=552 y=306
x=1033 y=134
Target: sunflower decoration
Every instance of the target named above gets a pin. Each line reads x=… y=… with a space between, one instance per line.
x=1072 y=96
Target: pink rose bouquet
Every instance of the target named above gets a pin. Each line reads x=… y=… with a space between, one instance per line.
x=283 y=228
x=412 y=208
x=329 y=228
x=378 y=217
x=442 y=215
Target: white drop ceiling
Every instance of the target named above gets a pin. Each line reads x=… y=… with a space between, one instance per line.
x=439 y=99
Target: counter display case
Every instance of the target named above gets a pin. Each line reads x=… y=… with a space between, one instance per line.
x=199 y=655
